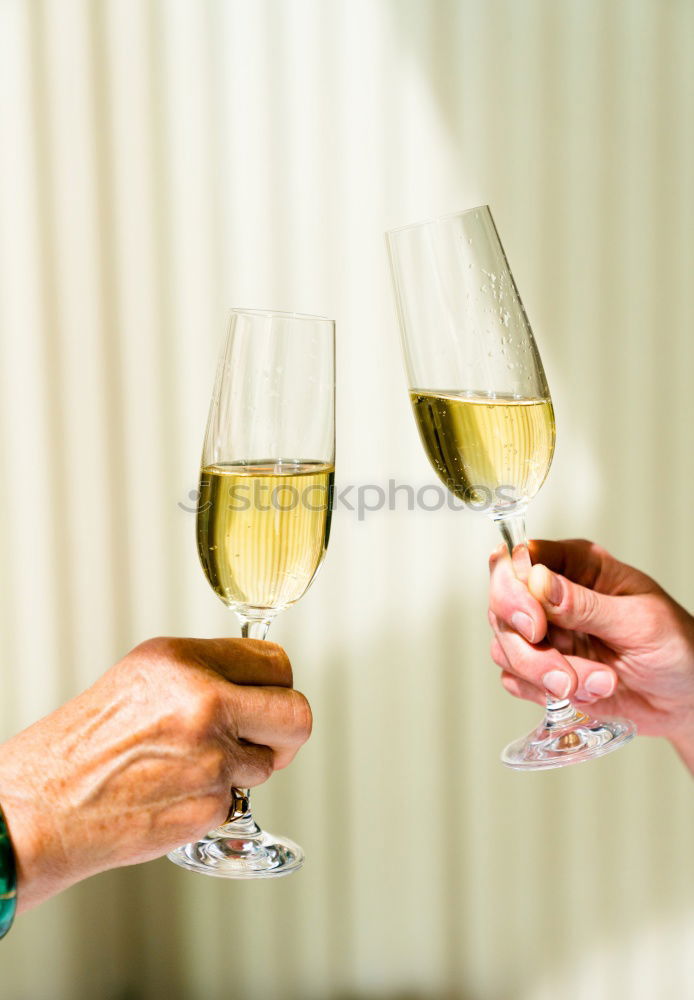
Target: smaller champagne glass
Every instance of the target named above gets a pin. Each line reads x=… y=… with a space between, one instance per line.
x=263 y=519
x=485 y=416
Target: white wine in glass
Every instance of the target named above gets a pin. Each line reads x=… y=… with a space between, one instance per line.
x=263 y=520
x=480 y=446
x=263 y=530
x=484 y=413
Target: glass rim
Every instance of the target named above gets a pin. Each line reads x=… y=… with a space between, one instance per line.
x=436 y=218
x=283 y=314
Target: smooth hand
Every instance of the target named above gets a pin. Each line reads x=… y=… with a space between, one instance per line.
x=143 y=761
x=598 y=631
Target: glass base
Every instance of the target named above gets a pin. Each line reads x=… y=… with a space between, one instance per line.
x=239 y=848
x=567 y=736
x=262 y=856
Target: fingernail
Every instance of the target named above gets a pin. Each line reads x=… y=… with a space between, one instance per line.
x=600 y=684
x=557 y=683
x=555 y=591
x=524 y=624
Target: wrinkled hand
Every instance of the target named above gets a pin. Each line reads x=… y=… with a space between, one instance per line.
x=589 y=627
x=143 y=760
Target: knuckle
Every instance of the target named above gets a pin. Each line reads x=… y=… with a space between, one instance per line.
x=161 y=647
x=590 y=550
x=260 y=768
x=149 y=649
x=282 y=661
x=584 y=543
x=598 y=550
x=146 y=660
x=283 y=757
x=302 y=716
x=571 y=604
x=202 y=710
x=585 y=603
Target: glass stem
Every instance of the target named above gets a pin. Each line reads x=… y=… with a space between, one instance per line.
x=255 y=628
x=240 y=819
x=512 y=528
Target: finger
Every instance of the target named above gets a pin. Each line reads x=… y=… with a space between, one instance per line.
x=596 y=681
x=579 y=608
x=522 y=564
x=511 y=601
x=247 y=661
x=498 y=655
x=579 y=644
x=539 y=664
x=279 y=718
x=549 y=670
x=591 y=566
x=522 y=689
x=624 y=703
x=250 y=765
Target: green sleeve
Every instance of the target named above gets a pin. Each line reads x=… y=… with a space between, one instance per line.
x=8 y=879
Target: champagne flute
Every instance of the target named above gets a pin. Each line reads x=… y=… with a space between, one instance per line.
x=263 y=520
x=485 y=416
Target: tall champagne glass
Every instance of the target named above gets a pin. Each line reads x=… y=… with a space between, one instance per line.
x=263 y=519
x=484 y=413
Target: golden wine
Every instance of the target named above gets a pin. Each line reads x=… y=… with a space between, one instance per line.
x=493 y=450
x=263 y=529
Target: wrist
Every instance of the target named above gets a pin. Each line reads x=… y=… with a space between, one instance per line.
x=41 y=863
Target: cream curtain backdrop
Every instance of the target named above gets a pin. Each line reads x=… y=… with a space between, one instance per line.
x=160 y=162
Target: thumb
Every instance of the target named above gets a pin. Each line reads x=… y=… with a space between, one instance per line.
x=578 y=608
